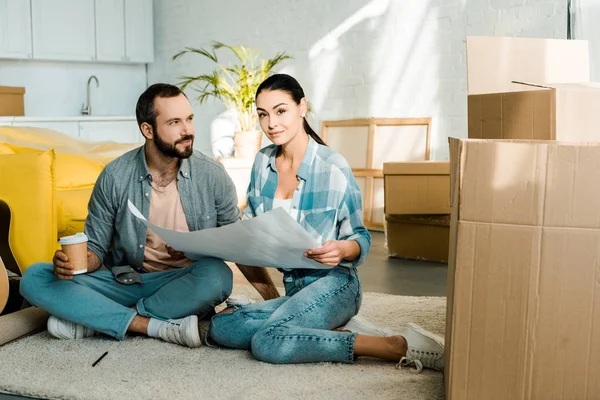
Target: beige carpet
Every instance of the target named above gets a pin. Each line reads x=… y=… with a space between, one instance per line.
x=143 y=368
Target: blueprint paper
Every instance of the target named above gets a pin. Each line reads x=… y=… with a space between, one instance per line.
x=273 y=239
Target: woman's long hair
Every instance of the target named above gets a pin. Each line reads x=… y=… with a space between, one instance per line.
x=290 y=85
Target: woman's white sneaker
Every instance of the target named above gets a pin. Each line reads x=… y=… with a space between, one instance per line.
x=362 y=326
x=63 y=329
x=425 y=349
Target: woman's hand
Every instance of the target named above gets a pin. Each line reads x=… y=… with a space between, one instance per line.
x=332 y=252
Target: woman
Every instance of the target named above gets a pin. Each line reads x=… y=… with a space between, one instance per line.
x=315 y=185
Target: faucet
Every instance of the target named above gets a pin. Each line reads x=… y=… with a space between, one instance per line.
x=87 y=109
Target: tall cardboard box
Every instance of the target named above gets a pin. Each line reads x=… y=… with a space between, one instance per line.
x=523 y=316
x=521 y=88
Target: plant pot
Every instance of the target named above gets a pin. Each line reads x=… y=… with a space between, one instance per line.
x=247 y=144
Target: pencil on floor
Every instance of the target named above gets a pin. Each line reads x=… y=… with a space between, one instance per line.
x=100 y=359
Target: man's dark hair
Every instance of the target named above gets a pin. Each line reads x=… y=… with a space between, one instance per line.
x=145 y=110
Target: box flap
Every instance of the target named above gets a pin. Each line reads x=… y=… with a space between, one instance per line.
x=455 y=150
x=417 y=168
x=587 y=86
x=435 y=219
x=12 y=90
x=493 y=63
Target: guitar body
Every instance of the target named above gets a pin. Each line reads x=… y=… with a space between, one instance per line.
x=4 y=288
x=7 y=260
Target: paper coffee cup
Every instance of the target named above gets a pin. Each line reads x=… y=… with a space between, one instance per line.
x=75 y=247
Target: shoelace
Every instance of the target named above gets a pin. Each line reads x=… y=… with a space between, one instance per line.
x=174 y=332
x=408 y=363
x=418 y=359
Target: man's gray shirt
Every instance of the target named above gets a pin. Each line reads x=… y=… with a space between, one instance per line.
x=118 y=238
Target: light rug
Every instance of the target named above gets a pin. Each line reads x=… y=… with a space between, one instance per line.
x=144 y=368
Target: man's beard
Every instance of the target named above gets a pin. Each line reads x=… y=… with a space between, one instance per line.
x=170 y=150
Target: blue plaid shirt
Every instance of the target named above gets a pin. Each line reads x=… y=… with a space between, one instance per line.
x=327 y=202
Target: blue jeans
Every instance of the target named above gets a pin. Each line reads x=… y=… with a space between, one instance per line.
x=98 y=301
x=296 y=328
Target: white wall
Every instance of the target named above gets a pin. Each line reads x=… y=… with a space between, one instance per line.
x=58 y=89
x=354 y=58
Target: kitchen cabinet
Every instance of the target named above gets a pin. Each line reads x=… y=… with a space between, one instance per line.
x=139 y=37
x=124 y=31
x=110 y=30
x=118 y=31
x=15 y=29
x=63 y=30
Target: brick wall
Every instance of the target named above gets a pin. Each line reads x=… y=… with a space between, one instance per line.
x=354 y=58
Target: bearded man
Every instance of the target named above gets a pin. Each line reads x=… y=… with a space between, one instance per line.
x=147 y=287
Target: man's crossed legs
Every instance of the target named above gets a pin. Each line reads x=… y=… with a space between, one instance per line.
x=166 y=305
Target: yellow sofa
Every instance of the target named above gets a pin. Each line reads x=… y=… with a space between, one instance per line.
x=46 y=178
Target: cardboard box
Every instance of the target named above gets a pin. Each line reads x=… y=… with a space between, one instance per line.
x=522 y=88
x=11 y=101
x=493 y=63
x=417 y=187
x=523 y=317
x=418 y=237
x=566 y=112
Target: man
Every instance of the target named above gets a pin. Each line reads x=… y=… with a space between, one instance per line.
x=173 y=187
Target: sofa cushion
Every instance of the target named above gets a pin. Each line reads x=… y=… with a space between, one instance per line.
x=74 y=171
x=27 y=186
x=6 y=149
x=71 y=210
x=45 y=139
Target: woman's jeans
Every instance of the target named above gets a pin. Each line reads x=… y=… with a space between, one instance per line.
x=296 y=328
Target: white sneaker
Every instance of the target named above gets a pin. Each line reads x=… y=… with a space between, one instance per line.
x=425 y=349
x=182 y=331
x=362 y=326
x=63 y=329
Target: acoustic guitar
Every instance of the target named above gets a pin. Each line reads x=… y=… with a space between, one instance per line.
x=7 y=261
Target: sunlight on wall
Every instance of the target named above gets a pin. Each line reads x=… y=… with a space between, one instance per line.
x=402 y=62
x=324 y=55
x=374 y=9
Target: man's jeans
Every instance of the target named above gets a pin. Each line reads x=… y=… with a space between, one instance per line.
x=296 y=328
x=98 y=301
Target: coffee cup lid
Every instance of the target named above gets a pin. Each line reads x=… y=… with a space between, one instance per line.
x=77 y=238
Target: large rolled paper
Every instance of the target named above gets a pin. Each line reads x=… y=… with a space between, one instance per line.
x=20 y=323
x=273 y=239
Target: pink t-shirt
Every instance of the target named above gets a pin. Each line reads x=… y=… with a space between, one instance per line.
x=166 y=211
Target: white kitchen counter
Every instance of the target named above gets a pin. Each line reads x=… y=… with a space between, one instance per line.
x=83 y=118
x=95 y=128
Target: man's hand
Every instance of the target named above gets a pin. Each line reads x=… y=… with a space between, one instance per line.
x=175 y=255
x=334 y=251
x=64 y=270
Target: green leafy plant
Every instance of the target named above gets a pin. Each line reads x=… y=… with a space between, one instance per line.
x=235 y=85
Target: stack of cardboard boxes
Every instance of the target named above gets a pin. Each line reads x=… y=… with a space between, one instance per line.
x=523 y=317
x=417 y=209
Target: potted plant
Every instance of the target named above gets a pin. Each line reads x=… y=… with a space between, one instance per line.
x=235 y=85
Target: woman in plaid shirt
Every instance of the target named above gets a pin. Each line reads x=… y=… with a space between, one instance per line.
x=315 y=185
